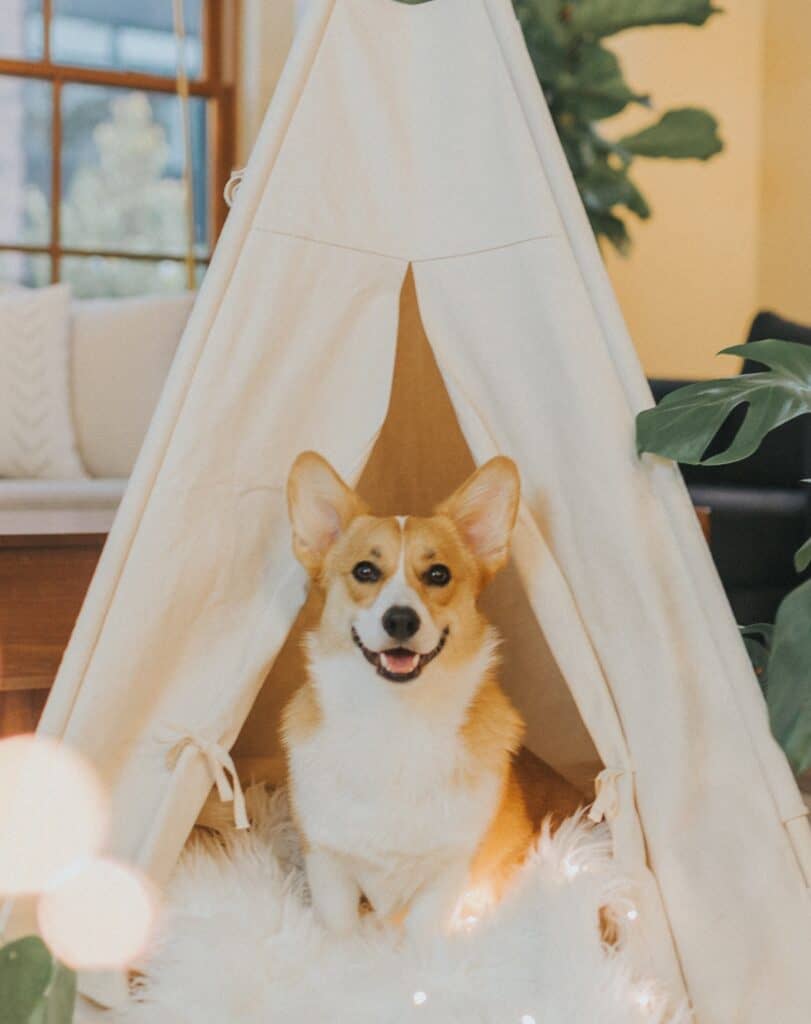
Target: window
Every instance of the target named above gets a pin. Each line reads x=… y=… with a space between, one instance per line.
x=92 y=142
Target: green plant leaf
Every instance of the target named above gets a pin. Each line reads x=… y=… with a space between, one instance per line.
x=604 y=186
x=26 y=971
x=546 y=36
x=684 y=134
x=758 y=641
x=605 y=17
x=597 y=88
x=613 y=229
x=803 y=557
x=788 y=694
x=686 y=420
x=60 y=1000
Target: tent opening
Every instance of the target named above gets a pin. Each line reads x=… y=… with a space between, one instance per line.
x=420 y=457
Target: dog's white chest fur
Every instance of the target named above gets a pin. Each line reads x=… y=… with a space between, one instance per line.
x=386 y=783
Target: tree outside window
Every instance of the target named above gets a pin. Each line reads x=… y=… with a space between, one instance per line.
x=91 y=143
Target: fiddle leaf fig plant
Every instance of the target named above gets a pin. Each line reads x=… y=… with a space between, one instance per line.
x=605 y=17
x=683 y=427
x=34 y=987
x=583 y=82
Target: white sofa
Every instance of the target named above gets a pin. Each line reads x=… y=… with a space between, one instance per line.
x=121 y=351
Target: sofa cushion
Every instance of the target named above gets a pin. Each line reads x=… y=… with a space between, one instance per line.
x=37 y=438
x=122 y=351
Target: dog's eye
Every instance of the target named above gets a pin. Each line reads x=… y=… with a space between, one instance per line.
x=437 y=576
x=366 y=572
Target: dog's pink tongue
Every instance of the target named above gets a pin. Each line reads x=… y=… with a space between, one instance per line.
x=400 y=663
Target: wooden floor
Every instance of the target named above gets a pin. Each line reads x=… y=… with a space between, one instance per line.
x=43 y=581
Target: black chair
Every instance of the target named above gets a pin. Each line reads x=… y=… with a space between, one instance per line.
x=761 y=510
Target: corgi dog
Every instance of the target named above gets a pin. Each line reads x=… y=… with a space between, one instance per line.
x=407 y=780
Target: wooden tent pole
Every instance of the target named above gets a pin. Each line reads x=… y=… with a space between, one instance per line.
x=188 y=169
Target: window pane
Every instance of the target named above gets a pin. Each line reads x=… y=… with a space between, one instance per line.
x=22 y=29
x=93 y=277
x=22 y=268
x=25 y=161
x=129 y=35
x=122 y=161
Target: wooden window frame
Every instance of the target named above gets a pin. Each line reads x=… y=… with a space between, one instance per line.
x=215 y=85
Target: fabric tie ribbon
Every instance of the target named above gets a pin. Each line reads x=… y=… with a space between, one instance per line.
x=220 y=765
x=606 y=796
x=232 y=187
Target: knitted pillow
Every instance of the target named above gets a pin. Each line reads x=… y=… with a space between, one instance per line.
x=37 y=438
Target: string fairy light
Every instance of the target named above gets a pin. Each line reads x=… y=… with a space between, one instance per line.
x=650 y=998
x=420 y=998
x=571 y=869
x=472 y=907
x=477 y=902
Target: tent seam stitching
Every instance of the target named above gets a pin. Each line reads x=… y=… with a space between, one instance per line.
x=404 y=259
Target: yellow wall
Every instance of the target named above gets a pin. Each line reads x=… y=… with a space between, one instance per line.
x=785 y=266
x=689 y=287
x=732 y=236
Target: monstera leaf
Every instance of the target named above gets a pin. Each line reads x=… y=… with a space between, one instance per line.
x=34 y=988
x=605 y=17
x=758 y=642
x=803 y=557
x=684 y=134
x=788 y=685
x=687 y=420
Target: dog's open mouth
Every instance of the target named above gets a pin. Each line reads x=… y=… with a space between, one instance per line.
x=399 y=665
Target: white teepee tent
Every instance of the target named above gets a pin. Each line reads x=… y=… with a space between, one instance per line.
x=408 y=184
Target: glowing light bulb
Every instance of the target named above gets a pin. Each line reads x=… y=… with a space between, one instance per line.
x=472 y=907
x=632 y=914
x=644 y=997
x=98 y=914
x=420 y=998
x=527 y=1019
x=53 y=811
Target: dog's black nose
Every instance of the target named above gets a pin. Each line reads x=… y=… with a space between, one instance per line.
x=401 y=623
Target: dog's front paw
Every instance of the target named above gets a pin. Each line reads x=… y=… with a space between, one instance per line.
x=335 y=893
x=432 y=909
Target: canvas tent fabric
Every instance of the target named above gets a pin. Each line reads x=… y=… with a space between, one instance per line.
x=408 y=173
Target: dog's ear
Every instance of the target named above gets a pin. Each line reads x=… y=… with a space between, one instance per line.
x=484 y=510
x=321 y=507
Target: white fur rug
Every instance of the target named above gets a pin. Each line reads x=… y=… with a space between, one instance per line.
x=239 y=945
